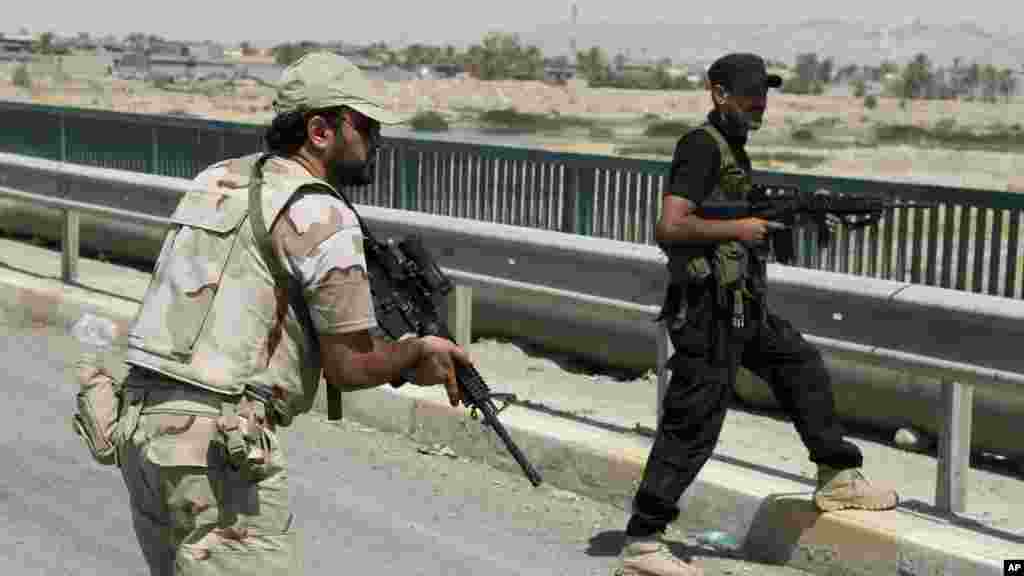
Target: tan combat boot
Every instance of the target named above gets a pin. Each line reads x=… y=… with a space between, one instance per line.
x=650 y=556
x=849 y=489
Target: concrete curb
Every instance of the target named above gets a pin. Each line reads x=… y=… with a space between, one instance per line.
x=773 y=515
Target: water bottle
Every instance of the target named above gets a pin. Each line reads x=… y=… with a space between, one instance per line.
x=719 y=540
x=96 y=335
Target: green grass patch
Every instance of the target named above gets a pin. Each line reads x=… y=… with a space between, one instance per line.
x=801 y=160
x=667 y=129
x=510 y=119
x=802 y=135
x=824 y=122
x=947 y=136
x=429 y=121
x=647 y=149
x=21 y=77
x=602 y=133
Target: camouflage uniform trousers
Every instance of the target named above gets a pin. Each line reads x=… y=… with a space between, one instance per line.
x=193 y=511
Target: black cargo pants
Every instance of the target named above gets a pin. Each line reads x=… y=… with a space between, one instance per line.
x=701 y=388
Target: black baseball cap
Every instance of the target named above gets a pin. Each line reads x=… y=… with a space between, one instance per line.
x=743 y=73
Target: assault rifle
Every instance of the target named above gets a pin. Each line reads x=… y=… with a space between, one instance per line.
x=407 y=286
x=787 y=207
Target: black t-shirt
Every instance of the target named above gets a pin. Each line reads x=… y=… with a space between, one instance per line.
x=697 y=162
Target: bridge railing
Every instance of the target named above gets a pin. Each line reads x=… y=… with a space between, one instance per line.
x=969 y=334
x=971 y=241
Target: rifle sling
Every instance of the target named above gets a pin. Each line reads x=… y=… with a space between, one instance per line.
x=283 y=279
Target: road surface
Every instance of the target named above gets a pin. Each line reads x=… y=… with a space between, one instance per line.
x=366 y=501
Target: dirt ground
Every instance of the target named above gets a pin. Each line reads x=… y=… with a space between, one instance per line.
x=626 y=112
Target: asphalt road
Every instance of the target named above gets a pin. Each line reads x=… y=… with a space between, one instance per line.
x=366 y=502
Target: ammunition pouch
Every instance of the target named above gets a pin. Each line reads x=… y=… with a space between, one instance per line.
x=720 y=283
x=244 y=434
x=99 y=401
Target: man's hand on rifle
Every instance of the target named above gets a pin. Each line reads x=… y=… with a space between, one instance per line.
x=437 y=365
x=755 y=230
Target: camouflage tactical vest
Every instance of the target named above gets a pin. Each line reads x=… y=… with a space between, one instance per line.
x=212 y=315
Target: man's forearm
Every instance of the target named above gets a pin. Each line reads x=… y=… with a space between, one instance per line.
x=383 y=364
x=696 y=230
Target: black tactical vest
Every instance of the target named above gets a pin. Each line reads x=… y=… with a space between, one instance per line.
x=730 y=268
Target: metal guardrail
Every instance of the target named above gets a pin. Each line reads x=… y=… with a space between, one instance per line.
x=957 y=396
x=971 y=241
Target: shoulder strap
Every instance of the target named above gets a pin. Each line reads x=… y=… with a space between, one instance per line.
x=723 y=145
x=293 y=288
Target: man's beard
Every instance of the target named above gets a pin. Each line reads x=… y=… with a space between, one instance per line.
x=349 y=173
x=741 y=122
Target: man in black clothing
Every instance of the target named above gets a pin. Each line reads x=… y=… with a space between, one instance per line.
x=718 y=320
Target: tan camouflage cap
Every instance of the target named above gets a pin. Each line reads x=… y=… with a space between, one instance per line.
x=325 y=80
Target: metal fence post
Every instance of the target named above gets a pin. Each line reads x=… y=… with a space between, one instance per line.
x=954 y=447
x=63 y=136
x=585 y=202
x=460 y=314
x=154 y=167
x=69 y=248
x=571 y=194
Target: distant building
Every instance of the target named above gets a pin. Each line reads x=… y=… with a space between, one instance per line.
x=205 y=51
x=361 y=60
x=133 y=64
x=440 y=71
x=559 y=74
x=16 y=44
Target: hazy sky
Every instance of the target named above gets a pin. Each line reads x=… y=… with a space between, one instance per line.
x=450 y=21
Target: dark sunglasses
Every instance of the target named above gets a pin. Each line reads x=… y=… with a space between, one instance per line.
x=364 y=124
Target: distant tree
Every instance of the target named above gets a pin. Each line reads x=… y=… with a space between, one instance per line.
x=918 y=78
x=809 y=74
x=593 y=64
x=45 y=43
x=887 y=67
x=287 y=53
x=21 y=77
x=1007 y=84
x=989 y=82
x=380 y=52
x=450 y=55
x=416 y=55
x=530 y=65
x=501 y=55
x=859 y=88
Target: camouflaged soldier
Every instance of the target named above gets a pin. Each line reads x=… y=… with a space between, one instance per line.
x=718 y=320
x=218 y=357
